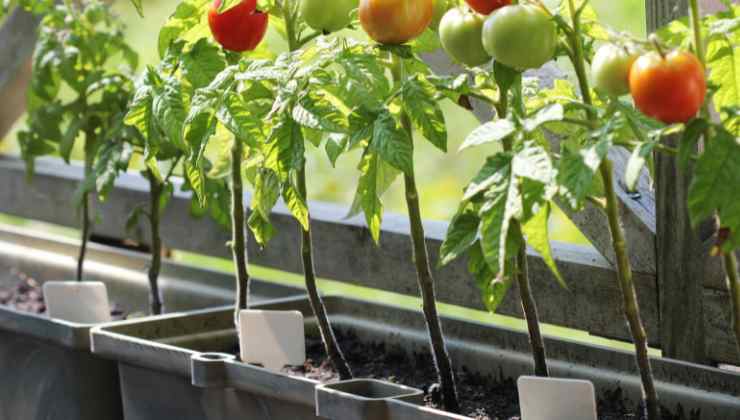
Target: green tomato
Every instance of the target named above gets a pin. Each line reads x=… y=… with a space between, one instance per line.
x=610 y=70
x=461 y=32
x=327 y=16
x=522 y=37
x=440 y=8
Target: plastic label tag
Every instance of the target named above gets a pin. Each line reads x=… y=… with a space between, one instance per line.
x=78 y=302
x=272 y=339
x=556 y=399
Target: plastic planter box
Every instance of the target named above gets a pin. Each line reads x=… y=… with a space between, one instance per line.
x=46 y=368
x=168 y=369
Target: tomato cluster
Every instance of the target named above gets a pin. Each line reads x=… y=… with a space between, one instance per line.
x=668 y=87
x=240 y=28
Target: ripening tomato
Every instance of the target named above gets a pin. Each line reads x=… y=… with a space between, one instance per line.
x=327 y=16
x=610 y=70
x=669 y=88
x=240 y=28
x=485 y=7
x=522 y=37
x=461 y=35
x=395 y=21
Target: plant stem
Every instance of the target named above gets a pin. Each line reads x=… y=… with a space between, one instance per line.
x=317 y=304
x=331 y=346
x=424 y=273
x=238 y=232
x=90 y=142
x=733 y=284
x=155 y=196
x=529 y=305
x=624 y=268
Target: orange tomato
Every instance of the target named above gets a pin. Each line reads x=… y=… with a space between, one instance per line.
x=669 y=88
x=395 y=21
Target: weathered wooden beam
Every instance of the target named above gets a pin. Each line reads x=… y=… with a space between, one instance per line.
x=17 y=40
x=637 y=208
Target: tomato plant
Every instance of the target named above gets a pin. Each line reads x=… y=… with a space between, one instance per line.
x=461 y=34
x=670 y=88
x=240 y=28
x=395 y=21
x=610 y=70
x=327 y=16
x=522 y=36
x=76 y=54
x=486 y=7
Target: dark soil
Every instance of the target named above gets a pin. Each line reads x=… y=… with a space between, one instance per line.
x=481 y=397
x=27 y=296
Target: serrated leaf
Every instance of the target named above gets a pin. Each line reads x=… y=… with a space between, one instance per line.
x=495 y=171
x=493 y=289
x=548 y=114
x=489 y=132
x=691 y=135
x=368 y=196
x=461 y=234
x=168 y=110
x=262 y=230
x=533 y=162
x=266 y=192
x=716 y=185
x=578 y=170
x=296 y=204
x=392 y=143
x=68 y=140
x=503 y=204
x=420 y=99
x=202 y=63
x=537 y=233
x=196 y=179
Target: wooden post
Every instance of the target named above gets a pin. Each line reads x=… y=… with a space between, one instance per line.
x=681 y=251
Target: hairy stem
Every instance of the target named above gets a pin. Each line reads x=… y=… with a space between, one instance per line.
x=238 y=232
x=90 y=144
x=733 y=284
x=155 y=196
x=624 y=268
x=317 y=304
x=424 y=273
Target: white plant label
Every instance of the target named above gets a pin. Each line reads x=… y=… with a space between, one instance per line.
x=556 y=399
x=80 y=302
x=272 y=339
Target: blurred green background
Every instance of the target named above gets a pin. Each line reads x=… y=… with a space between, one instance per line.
x=442 y=177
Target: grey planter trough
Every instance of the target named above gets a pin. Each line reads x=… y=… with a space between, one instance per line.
x=180 y=366
x=46 y=368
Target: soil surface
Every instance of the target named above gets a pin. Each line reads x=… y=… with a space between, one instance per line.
x=481 y=397
x=27 y=296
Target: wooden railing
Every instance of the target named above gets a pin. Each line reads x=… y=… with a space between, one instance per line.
x=345 y=251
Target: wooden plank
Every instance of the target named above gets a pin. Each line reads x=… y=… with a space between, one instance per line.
x=638 y=210
x=344 y=249
x=682 y=252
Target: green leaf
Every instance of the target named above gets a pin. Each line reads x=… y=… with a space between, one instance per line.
x=262 y=230
x=533 y=162
x=538 y=237
x=461 y=234
x=493 y=289
x=266 y=192
x=315 y=111
x=296 y=204
x=392 y=143
x=503 y=204
x=641 y=154
x=691 y=135
x=495 y=171
x=169 y=111
x=494 y=131
x=578 y=169
x=113 y=159
x=716 y=185
x=188 y=18
x=420 y=99
x=368 y=195
x=550 y=113
x=723 y=62
x=139 y=8
x=70 y=135
x=196 y=178
x=202 y=63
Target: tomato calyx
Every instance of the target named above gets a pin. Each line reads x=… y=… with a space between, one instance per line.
x=240 y=28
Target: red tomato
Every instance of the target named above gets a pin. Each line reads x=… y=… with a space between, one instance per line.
x=669 y=88
x=485 y=7
x=240 y=28
x=395 y=21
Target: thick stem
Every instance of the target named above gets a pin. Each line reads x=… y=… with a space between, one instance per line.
x=733 y=284
x=90 y=142
x=529 y=307
x=238 y=232
x=624 y=269
x=424 y=275
x=317 y=304
x=155 y=196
